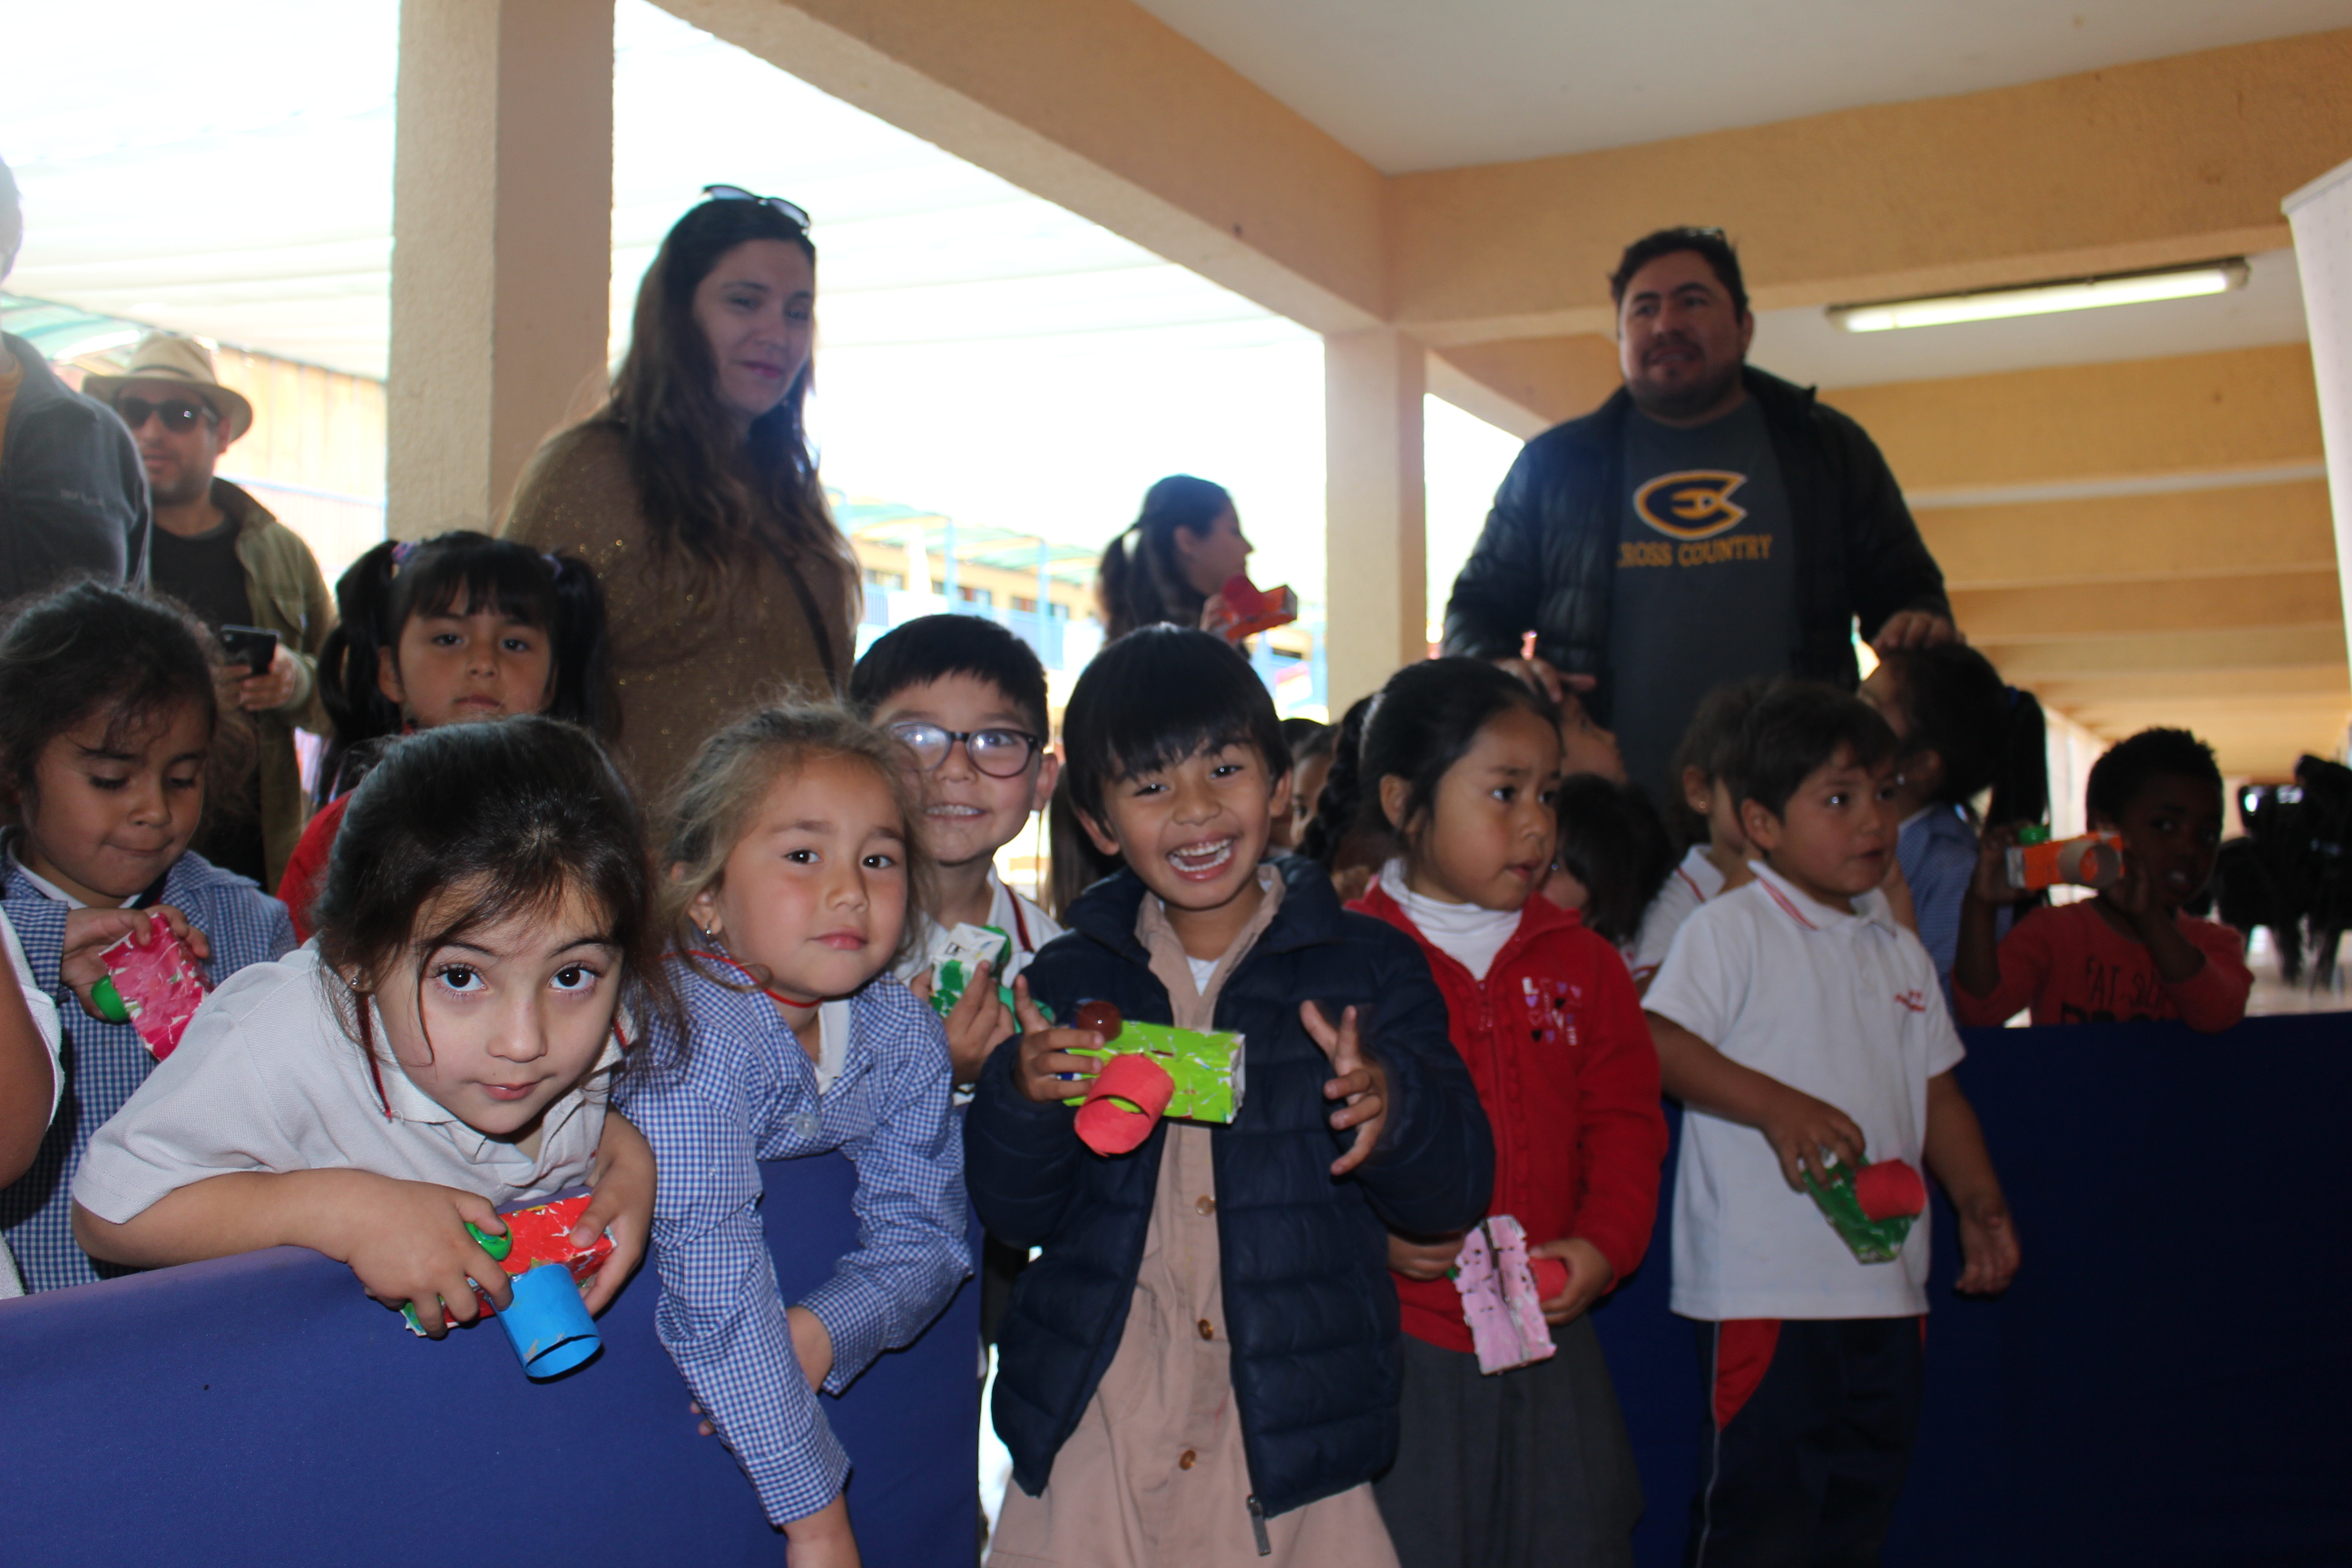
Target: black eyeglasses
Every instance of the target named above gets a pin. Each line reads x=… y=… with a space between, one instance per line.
x=792 y=211
x=177 y=413
x=999 y=753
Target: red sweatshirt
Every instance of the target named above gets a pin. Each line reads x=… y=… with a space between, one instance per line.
x=2073 y=967
x=1555 y=1040
x=307 y=867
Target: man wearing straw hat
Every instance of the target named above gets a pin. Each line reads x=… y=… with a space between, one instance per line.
x=73 y=502
x=221 y=553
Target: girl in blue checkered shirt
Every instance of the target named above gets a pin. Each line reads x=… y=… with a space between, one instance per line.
x=794 y=872
x=109 y=733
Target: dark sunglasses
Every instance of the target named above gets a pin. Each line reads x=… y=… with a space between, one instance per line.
x=999 y=753
x=793 y=212
x=177 y=413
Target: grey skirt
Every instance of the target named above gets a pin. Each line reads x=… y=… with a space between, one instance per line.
x=1528 y=1468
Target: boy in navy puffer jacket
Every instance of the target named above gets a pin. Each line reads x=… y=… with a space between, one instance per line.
x=1202 y=1365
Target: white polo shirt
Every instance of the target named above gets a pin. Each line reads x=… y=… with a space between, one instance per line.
x=1845 y=1007
x=1030 y=927
x=266 y=1079
x=1690 y=884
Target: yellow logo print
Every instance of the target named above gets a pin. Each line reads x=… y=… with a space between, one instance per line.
x=1693 y=504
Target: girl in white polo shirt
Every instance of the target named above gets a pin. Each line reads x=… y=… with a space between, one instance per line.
x=441 y=1050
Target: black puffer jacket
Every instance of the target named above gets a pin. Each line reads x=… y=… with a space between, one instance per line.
x=1310 y=1307
x=1547 y=559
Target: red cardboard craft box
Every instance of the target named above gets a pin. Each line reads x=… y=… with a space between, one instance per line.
x=535 y=1236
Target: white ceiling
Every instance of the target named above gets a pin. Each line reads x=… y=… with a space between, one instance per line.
x=1430 y=84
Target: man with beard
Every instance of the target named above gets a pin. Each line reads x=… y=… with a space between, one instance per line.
x=1707 y=523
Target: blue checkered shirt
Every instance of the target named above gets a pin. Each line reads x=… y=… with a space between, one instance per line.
x=748 y=1092
x=105 y=1062
x=1937 y=850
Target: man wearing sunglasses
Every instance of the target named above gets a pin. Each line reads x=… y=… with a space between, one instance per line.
x=219 y=551
x=73 y=501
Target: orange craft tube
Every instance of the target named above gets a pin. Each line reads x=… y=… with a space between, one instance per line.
x=1127 y=1099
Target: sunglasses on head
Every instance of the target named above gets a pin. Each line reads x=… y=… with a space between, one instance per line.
x=793 y=212
x=177 y=413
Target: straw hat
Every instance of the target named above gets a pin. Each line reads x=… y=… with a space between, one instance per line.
x=172 y=358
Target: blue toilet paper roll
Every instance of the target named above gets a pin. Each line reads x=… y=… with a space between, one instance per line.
x=548 y=1323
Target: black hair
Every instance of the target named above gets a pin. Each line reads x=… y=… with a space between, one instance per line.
x=1156 y=697
x=1710 y=745
x=1988 y=734
x=1075 y=864
x=1798 y=727
x=1613 y=840
x=1425 y=719
x=1339 y=815
x=1708 y=243
x=90 y=648
x=505 y=819
x=1308 y=739
x=2130 y=766
x=466 y=571
x=1142 y=582
x=932 y=647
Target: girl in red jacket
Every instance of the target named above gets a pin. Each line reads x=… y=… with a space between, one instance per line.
x=1462 y=763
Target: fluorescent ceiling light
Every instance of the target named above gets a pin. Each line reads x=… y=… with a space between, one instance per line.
x=2044 y=298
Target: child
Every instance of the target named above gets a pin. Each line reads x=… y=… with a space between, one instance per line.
x=1796 y=1008
x=1959 y=731
x=1311 y=742
x=1613 y=855
x=1707 y=816
x=2129 y=955
x=1531 y=1465
x=458 y=627
x=32 y=1077
x=966 y=699
x=1201 y=1367
x=1352 y=844
x=484 y=910
x=109 y=723
x=792 y=868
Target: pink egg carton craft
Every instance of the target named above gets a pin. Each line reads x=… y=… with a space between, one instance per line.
x=1502 y=1296
x=155 y=989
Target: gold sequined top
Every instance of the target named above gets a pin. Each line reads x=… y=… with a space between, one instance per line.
x=684 y=664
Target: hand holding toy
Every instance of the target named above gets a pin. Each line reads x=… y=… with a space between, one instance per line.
x=1191 y=1075
x=2036 y=861
x=1256 y=609
x=1503 y=1295
x=1871 y=1209
x=546 y=1321
x=155 y=986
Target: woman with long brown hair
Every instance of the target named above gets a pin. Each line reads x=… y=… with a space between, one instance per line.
x=694 y=495
x=1172 y=562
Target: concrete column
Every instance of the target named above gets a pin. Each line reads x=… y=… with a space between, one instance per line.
x=502 y=241
x=1375 y=511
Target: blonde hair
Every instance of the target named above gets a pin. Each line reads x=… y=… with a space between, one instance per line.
x=711 y=808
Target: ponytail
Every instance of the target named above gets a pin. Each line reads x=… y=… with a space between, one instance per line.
x=1141 y=582
x=355 y=704
x=1988 y=734
x=582 y=646
x=2020 y=785
x=1339 y=808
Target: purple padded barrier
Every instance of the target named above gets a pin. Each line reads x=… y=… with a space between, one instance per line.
x=2165 y=1384
x=261 y=1409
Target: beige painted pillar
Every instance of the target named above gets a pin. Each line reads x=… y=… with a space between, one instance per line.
x=1375 y=511
x=502 y=244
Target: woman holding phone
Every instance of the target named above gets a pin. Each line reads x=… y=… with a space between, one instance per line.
x=693 y=493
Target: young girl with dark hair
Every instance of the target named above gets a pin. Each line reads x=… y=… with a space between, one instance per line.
x=1706 y=819
x=1961 y=731
x=110 y=733
x=1344 y=832
x=693 y=492
x=794 y=871
x=1173 y=560
x=1531 y=1465
x=1614 y=854
x=451 y=629
x=442 y=1051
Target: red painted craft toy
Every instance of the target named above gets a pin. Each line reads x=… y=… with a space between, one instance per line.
x=535 y=1237
x=155 y=989
x=1256 y=609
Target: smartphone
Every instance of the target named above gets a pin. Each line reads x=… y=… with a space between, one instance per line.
x=252 y=647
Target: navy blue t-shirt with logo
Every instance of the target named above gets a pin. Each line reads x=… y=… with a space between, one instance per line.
x=1705 y=587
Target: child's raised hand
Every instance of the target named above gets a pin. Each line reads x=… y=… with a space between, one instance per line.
x=1989 y=884
x=1359 y=1081
x=622 y=1181
x=1045 y=1071
x=1590 y=1273
x=1800 y=1128
x=977 y=1024
x=90 y=932
x=1988 y=1253
x=407 y=1242
x=1424 y=1259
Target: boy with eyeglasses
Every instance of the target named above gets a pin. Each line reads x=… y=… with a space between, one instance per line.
x=966 y=699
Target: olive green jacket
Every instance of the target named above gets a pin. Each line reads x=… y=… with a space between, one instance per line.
x=290 y=598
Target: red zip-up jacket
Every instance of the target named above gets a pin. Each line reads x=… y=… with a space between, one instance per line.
x=1555 y=1040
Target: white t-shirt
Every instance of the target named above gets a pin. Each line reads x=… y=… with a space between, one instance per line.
x=1030 y=927
x=266 y=1079
x=44 y=1020
x=1846 y=1008
x=1693 y=883
x=1469 y=934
